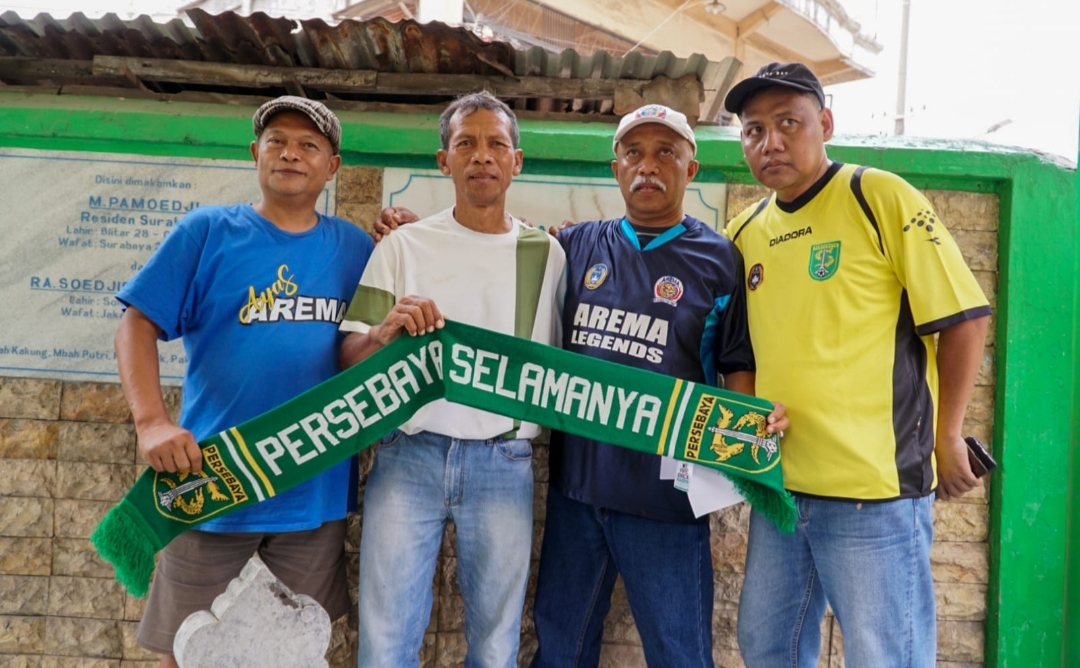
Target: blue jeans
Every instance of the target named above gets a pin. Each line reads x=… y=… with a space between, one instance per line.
x=666 y=568
x=870 y=561
x=416 y=484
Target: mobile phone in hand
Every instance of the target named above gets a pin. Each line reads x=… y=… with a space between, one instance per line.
x=980 y=460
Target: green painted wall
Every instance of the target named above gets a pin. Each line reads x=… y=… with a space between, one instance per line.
x=1037 y=302
x=1071 y=630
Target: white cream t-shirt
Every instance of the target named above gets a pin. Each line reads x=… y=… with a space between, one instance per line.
x=473 y=278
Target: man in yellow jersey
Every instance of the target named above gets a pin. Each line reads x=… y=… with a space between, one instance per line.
x=849 y=274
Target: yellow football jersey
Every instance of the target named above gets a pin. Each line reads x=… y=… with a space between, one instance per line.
x=845 y=288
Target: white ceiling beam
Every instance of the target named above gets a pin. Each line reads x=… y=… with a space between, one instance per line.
x=757 y=18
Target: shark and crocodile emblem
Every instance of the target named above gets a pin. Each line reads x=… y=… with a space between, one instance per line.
x=758 y=441
x=174 y=498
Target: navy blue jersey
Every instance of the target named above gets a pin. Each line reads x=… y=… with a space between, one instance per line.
x=677 y=307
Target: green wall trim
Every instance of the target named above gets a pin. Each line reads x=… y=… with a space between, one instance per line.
x=1038 y=295
x=409 y=140
x=1071 y=627
x=1036 y=374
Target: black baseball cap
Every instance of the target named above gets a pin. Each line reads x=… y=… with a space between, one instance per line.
x=789 y=75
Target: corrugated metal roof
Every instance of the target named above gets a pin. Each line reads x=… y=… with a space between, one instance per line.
x=405 y=47
x=256 y=40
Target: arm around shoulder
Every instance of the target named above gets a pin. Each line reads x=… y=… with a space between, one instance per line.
x=389 y=219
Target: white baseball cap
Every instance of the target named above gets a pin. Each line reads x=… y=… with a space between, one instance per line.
x=656 y=113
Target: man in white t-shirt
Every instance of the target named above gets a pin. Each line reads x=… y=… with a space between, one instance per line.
x=479 y=265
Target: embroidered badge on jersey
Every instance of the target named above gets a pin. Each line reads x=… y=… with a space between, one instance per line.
x=757 y=275
x=925 y=219
x=668 y=290
x=596 y=276
x=824 y=260
x=651 y=111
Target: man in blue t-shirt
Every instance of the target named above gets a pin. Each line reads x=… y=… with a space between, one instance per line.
x=658 y=290
x=256 y=291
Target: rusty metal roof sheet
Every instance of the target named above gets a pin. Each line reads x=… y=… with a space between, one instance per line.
x=377 y=45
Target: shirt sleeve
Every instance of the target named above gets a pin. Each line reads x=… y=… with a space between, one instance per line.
x=164 y=288
x=736 y=224
x=729 y=228
x=560 y=266
x=727 y=347
x=376 y=293
x=941 y=289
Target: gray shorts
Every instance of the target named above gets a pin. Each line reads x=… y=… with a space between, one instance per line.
x=197 y=566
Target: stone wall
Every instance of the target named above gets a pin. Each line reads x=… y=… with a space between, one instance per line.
x=67 y=452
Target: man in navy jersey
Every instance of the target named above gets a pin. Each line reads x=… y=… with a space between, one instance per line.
x=658 y=290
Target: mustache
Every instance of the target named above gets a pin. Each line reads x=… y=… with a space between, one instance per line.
x=641 y=181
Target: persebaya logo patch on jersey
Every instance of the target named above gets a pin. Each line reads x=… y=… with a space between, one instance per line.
x=756 y=276
x=596 y=276
x=824 y=260
x=192 y=497
x=925 y=219
x=668 y=290
x=712 y=427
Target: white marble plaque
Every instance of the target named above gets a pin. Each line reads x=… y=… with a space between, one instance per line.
x=257 y=621
x=74 y=228
x=544 y=200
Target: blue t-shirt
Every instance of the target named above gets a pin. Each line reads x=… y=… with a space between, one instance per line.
x=258 y=309
x=676 y=306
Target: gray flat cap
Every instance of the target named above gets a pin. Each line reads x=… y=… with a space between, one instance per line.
x=320 y=115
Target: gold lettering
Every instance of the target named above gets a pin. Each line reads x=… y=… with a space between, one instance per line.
x=697 y=427
x=217 y=465
x=263 y=301
x=285 y=284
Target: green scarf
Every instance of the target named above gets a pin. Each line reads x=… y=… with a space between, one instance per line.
x=511 y=376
